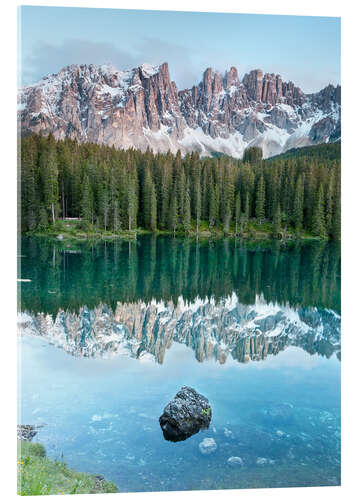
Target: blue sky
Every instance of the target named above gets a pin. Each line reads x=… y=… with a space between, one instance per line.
x=303 y=49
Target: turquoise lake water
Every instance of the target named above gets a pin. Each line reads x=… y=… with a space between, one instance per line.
x=111 y=331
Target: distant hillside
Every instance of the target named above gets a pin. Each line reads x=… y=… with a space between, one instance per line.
x=330 y=151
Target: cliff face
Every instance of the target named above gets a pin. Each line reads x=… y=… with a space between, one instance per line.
x=211 y=330
x=142 y=108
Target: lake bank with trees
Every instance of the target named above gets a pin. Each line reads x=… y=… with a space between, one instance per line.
x=110 y=192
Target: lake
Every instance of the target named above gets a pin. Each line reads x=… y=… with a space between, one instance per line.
x=110 y=331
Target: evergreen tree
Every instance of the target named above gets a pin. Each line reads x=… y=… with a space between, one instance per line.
x=336 y=217
x=277 y=221
x=64 y=162
x=187 y=211
x=227 y=217
x=247 y=209
x=43 y=217
x=252 y=155
x=329 y=203
x=87 y=201
x=104 y=206
x=166 y=181
x=49 y=175
x=227 y=195
x=260 y=200
x=205 y=192
x=116 y=217
x=287 y=195
x=237 y=213
x=318 y=219
x=153 y=207
x=29 y=195
x=298 y=209
x=181 y=189
x=173 y=217
x=114 y=202
x=132 y=201
x=272 y=191
x=310 y=194
x=213 y=209
x=198 y=203
x=150 y=202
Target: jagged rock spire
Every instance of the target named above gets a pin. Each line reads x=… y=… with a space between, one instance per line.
x=142 y=107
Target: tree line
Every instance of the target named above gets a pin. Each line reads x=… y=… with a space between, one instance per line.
x=113 y=190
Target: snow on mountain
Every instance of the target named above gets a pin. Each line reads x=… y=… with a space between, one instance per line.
x=142 y=107
x=213 y=329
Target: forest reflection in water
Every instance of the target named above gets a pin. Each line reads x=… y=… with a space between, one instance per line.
x=68 y=276
x=136 y=320
x=221 y=298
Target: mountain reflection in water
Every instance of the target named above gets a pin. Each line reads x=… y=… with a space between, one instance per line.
x=211 y=329
x=162 y=302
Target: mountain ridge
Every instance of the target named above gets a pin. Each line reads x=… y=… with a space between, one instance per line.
x=212 y=329
x=143 y=108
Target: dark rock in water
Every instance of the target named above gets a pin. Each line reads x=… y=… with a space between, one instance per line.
x=185 y=415
x=27 y=432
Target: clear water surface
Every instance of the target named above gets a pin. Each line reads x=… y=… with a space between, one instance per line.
x=111 y=331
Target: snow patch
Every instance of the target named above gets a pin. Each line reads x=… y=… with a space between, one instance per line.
x=149 y=70
x=197 y=140
x=113 y=91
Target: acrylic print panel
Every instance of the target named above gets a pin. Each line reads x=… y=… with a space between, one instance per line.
x=179 y=264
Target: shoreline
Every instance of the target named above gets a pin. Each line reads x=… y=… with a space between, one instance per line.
x=39 y=475
x=253 y=235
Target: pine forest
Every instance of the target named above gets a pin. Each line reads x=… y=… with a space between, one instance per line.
x=112 y=190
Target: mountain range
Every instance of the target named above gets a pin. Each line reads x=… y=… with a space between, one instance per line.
x=143 y=108
x=213 y=330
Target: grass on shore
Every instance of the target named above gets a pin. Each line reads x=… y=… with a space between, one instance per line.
x=74 y=230
x=38 y=475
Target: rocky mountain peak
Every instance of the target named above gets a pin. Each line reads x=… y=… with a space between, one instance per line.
x=207 y=81
x=217 y=83
x=142 y=107
x=231 y=78
x=148 y=70
x=253 y=82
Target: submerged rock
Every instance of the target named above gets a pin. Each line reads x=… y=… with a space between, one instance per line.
x=228 y=433
x=99 y=477
x=207 y=446
x=265 y=461
x=27 y=432
x=185 y=415
x=235 y=461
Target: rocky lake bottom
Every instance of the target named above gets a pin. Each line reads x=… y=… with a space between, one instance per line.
x=281 y=418
x=110 y=333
